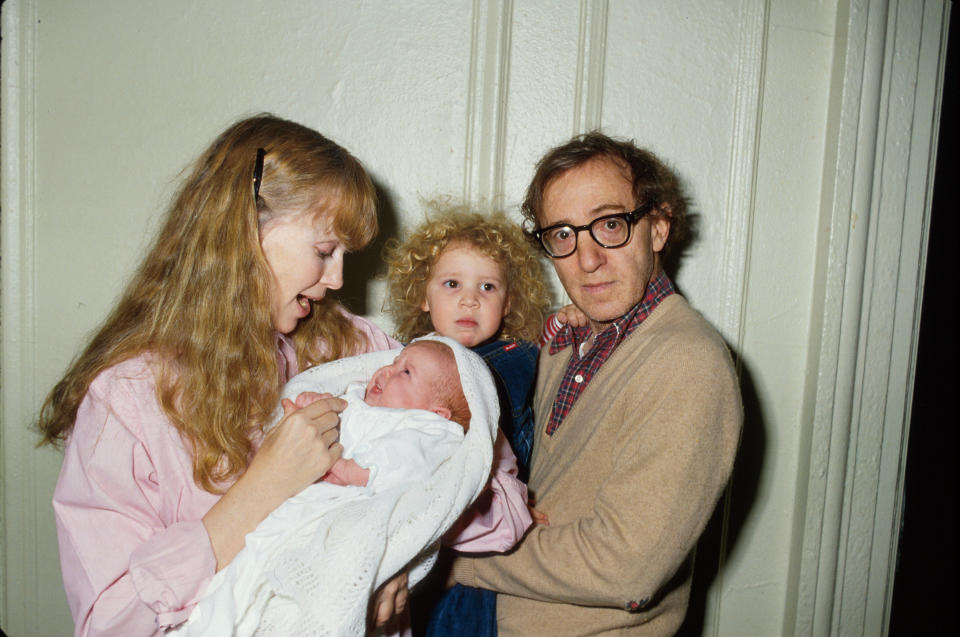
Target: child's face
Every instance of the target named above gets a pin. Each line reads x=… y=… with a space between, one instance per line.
x=408 y=382
x=466 y=295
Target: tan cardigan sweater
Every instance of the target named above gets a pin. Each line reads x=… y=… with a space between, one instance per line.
x=628 y=481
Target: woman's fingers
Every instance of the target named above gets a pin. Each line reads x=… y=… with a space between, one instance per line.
x=309 y=397
x=302 y=447
x=315 y=419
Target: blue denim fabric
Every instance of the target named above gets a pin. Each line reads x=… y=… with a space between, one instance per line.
x=514 y=367
x=465 y=611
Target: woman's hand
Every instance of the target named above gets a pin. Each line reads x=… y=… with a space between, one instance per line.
x=300 y=449
x=389 y=602
x=294 y=454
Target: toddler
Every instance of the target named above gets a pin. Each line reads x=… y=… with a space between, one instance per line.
x=476 y=279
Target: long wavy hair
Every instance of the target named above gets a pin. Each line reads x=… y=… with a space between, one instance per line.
x=410 y=263
x=199 y=304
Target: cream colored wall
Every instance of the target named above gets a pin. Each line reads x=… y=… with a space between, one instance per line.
x=105 y=102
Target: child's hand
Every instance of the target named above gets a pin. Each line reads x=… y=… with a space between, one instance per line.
x=539 y=517
x=572 y=315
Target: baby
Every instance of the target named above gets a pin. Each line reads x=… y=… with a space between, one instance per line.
x=424 y=377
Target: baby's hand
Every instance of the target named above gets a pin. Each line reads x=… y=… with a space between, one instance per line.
x=572 y=315
x=346 y=472
x=302 y=400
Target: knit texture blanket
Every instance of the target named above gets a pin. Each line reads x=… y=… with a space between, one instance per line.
x=311 y=567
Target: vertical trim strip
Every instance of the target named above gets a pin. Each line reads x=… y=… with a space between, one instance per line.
x=591 y=60
x=741 y=183
x=18 y=546
x=486 y=125
x=878 y=197
x=739 y=213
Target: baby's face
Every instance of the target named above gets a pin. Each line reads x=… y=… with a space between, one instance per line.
x=409 y=381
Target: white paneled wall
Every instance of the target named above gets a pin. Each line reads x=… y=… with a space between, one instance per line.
x=781 y=117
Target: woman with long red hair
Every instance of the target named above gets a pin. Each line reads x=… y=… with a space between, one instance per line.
x=166 y=465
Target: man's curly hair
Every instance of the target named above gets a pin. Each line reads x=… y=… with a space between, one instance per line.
x=410 y=263
x=652 y=180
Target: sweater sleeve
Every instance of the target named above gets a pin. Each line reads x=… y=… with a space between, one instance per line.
x=499 y=517
x=672 y=453
x=128 y=567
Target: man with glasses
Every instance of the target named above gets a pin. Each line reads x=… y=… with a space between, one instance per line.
x=638 y=414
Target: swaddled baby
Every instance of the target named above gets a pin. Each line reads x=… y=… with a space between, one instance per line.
x=418 y=435
x=424 y=378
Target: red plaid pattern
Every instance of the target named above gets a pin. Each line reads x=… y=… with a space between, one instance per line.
x=580 y=370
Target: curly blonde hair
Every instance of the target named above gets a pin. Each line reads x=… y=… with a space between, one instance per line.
x=410 y=263
x=199 y=303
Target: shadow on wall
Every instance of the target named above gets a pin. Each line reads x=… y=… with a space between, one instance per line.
x=680 y=247
x=713 y=549
x=362 y=267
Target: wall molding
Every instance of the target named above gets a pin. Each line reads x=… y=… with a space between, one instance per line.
x=739 y=208
x=19 y=591
x=879 y=188
x=488 y=84
x=738 y=214
x=591 y=58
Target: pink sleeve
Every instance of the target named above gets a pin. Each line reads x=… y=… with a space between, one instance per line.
x=134 y=553
x=377 y=339
x=499 y=517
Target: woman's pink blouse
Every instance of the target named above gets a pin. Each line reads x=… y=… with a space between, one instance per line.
x=134 y=553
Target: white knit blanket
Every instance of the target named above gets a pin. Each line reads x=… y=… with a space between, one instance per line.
x=311 y=567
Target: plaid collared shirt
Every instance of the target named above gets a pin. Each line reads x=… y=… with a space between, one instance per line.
x=584 y=366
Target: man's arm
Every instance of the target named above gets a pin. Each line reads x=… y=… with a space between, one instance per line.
x=672 y=455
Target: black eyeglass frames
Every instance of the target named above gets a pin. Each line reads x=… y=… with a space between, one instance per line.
x=609 y=231
x=258 y=172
